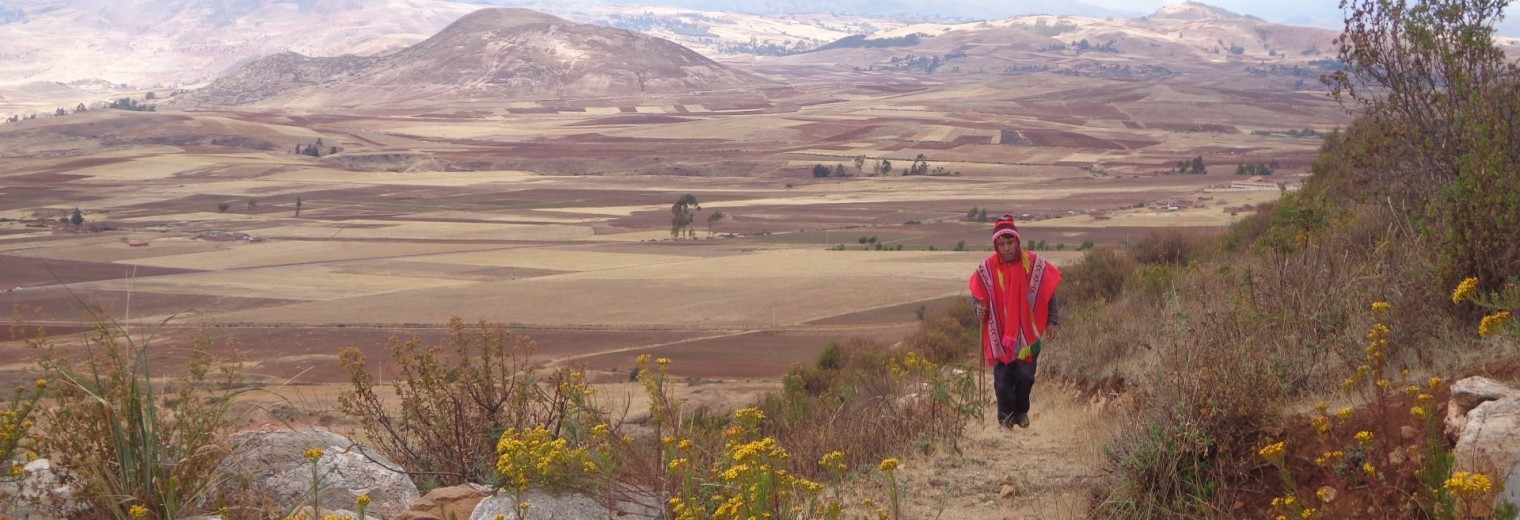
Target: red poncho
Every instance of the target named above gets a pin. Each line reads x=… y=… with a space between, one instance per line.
x=1017 y=296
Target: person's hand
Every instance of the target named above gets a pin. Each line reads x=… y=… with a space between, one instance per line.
x=1053 y=332
x=981 y=311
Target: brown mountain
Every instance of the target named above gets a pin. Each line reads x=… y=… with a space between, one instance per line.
x=490 y=54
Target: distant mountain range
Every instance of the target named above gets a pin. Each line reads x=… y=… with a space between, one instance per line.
x=962 y=10
x=491 y=54
x=315 y=52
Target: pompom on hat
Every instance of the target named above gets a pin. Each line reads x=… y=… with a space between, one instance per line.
x=1005 y=226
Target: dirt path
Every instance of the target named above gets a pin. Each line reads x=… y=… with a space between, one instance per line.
x=1045 y=471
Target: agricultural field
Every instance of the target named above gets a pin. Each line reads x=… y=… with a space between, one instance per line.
x=555 y=218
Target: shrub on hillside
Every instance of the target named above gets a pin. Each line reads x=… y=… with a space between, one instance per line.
x=1100 y=276
x=456 y=398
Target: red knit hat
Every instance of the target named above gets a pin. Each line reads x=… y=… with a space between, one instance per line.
x=1006 y=226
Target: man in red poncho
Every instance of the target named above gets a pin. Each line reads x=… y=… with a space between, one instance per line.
x=1015 y=293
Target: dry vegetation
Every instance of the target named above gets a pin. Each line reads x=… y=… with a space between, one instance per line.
x=838 y=297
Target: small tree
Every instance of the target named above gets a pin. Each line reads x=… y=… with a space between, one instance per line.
x=298 y=206
x=682 y=214
x=821 y=171
x=221 y=207
x=77 y=217
x=252 y=203
x=713 y=219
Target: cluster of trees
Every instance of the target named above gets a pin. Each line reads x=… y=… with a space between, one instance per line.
x=1256 y=169
x=921 y=167
x=928 y=64
x=127 y=103
x=977 y=214
x=881 y=167
x=1439 y=127
x=1083 y=45
x=821 y=171
x=684 y=212
x=645 y=23
x=1043 y=29
x=315 y=149
x=856 y=41
x=1194 y=166
x=768 y=48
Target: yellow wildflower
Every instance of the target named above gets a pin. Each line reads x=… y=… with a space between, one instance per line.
x=1274 y=452
x=1435 y=382
x=313 y=454
x=1344 y=413
x=1326 y=494
x=1418 y=412
x=41 y=384
x=1380 y=306
x=1465 y=290
x=889 y=464
x=833 y=460
x=362 y=500
x=685 y=444
x=1322 y=407
x=1307 y=513
x=1364 y=437
x=137 y=512
x=675 y=465
x=1320 y=423
x=1369 y=468
x=1469 y=485
x=1493 y=322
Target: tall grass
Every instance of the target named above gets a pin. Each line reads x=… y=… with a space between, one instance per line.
x=142 y=441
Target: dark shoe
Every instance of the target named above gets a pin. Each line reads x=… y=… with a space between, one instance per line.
x=1022 y=419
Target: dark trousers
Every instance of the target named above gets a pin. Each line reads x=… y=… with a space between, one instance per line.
x=1012 y=382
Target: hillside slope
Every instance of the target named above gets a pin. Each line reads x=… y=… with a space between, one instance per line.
x=491 y=54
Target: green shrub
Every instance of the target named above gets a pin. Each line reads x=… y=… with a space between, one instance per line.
x=1100 y=276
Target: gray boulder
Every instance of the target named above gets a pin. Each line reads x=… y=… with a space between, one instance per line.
x=273 y=464
x=568 y=506
x=43 y=492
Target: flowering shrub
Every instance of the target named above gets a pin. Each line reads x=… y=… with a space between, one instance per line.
x=17 y=441
x=1499 y=305
x=1394 y=462
x=457 y=398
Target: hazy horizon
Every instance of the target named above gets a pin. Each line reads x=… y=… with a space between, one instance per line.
x=1325 y=14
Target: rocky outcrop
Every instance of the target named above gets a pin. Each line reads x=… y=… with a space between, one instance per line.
x=272 y=464
x=544 y=505
x=1483 y=416
x=446 y=503
x=43 y=492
